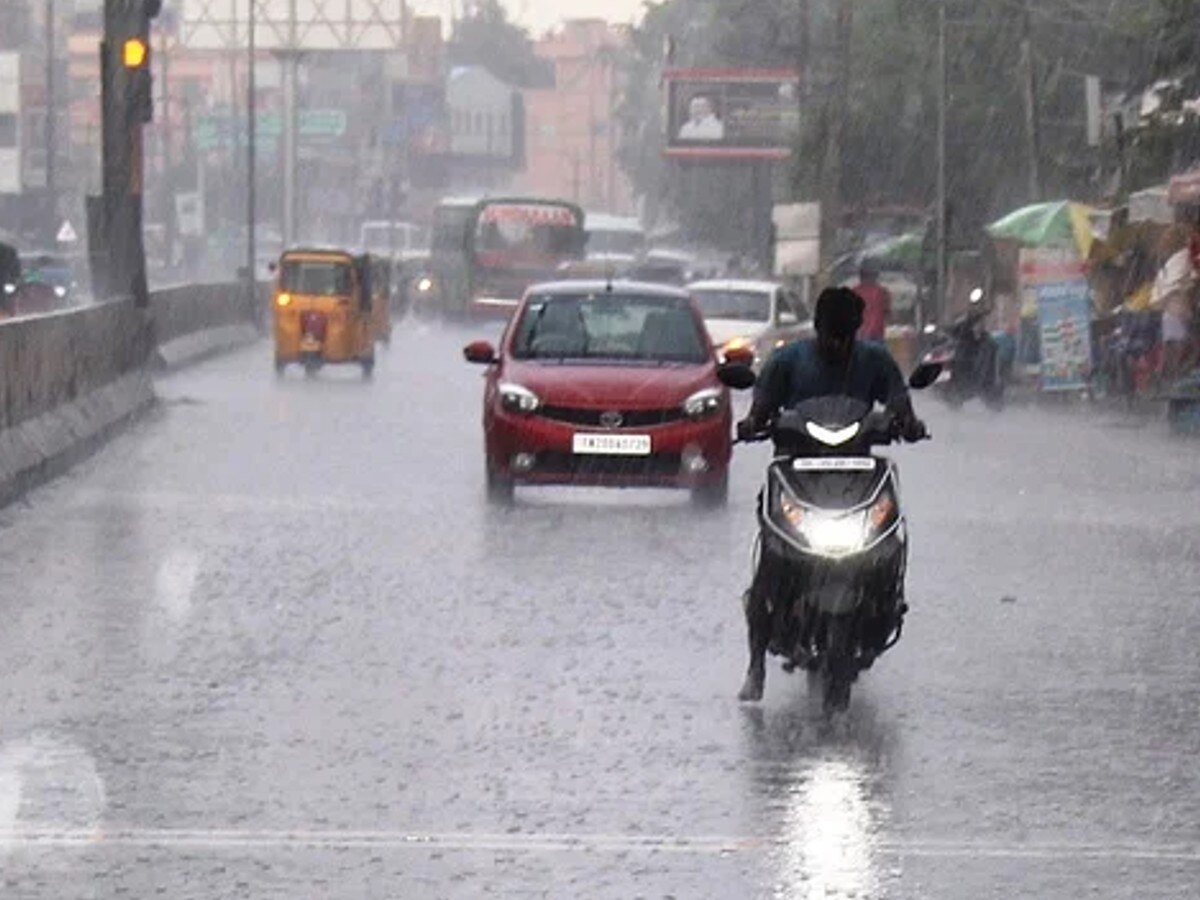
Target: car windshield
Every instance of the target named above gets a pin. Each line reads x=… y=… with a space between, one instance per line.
x=316 y=277
x=751 y=306
x=607 y=327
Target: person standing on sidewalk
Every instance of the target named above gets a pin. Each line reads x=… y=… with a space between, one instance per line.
x=877 y=302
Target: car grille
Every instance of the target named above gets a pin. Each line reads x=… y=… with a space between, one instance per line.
x=630 y=418
x=665 y=465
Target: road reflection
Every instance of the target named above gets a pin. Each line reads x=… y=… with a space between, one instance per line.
x=821 y=784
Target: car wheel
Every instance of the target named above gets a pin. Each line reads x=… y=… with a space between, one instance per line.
x=712 y=494
x=500 y=488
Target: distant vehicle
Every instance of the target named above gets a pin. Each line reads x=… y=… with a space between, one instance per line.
x=486 y=253
x=608 y=383
x=325 y=310
x=757 y=316
x=404 y=238
x=675 y=267
x=47 y=282
x=10 y=279
x=620 y=239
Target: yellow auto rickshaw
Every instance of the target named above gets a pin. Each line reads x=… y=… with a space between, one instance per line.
x=324 y=302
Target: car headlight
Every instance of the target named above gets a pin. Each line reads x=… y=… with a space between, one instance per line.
x=60 y=291
x=703 y=403
x=517 y=399
x=10 y=288
x=424 y=285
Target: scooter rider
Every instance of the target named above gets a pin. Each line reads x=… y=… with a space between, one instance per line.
x=834 y=363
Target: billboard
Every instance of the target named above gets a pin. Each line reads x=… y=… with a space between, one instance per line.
x=732 y=113
x=293 y=24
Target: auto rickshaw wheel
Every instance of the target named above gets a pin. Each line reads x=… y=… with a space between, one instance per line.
x=280 y=366
x=368 y=368
x=312 y=367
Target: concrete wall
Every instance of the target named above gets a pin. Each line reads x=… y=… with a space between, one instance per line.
x=48 y=361
x=69 y=380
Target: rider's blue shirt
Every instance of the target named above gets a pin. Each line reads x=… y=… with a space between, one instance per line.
x=797 y=372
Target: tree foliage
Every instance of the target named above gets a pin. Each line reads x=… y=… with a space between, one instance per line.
x=486 y=37
x=889 y=140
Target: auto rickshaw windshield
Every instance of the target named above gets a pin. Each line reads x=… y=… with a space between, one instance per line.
x=322 y=278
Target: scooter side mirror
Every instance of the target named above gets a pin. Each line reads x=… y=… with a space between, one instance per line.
x=924 y=375
x=737 y=376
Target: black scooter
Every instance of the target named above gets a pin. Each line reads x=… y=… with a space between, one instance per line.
x=833 y=543
x=968 y=353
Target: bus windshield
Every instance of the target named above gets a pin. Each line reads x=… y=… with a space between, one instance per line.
x=508 y=233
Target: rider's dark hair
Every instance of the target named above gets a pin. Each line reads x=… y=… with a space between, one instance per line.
x=839 y=312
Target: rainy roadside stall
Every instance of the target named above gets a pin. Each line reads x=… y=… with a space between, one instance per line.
x=1181 y=370
x=1049 y=244
x=1123 y=262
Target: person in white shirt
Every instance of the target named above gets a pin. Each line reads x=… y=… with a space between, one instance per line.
x=702 y=123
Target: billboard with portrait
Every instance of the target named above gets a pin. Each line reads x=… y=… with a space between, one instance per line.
x=732 y=113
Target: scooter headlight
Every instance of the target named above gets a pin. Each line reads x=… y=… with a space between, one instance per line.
x=833 y=437
x=835 y=535
x=10 y=288
x=60 y=291
x=424 y=285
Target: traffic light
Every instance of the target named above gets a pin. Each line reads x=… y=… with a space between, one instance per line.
x=135 y=60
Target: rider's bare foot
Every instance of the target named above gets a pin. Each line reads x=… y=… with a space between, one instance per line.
x=752 y=688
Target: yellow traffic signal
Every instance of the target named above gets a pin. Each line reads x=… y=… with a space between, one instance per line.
x=135 y=53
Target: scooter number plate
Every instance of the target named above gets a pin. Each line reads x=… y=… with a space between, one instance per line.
x=835 y=464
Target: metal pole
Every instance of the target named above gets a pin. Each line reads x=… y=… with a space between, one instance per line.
x=1029 y=93
x=939 y=296
x=51 y=110
x=167 y=158
x=290 y=58
x=251 y=154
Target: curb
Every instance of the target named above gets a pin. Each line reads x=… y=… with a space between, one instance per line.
x=45 y=447
x=199 y=346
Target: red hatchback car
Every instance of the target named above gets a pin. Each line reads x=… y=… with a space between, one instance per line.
x=606 y=384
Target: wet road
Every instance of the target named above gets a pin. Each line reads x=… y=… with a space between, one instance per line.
x=272 y=643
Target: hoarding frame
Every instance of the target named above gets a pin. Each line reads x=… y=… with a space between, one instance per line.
x=720 y=79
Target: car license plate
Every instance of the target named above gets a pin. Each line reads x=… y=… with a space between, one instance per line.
x=834 y=464
x=612 y=444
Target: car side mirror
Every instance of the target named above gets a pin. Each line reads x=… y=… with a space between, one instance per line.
x=924 y=375
x=739 y=356
x=736 y=376
x=480 y=352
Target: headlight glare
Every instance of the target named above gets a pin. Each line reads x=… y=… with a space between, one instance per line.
x=832 y=437
x=10 y=288
x=703 y=403
x=835 y=535
x=518 y=399
x=60 y=291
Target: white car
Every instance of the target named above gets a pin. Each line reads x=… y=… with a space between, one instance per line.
x=752 y=315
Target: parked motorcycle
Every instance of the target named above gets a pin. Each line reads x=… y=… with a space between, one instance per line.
x=969 y=355
x=832 y=539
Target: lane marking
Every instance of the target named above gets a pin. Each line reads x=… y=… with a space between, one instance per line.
x=216 y=839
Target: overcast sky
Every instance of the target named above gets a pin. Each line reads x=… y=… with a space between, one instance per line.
x=540 y=15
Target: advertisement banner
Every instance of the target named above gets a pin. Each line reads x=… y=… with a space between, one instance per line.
x=732 y=113
x=1064 y=311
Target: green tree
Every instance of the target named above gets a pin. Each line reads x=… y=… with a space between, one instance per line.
x=486 y=37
